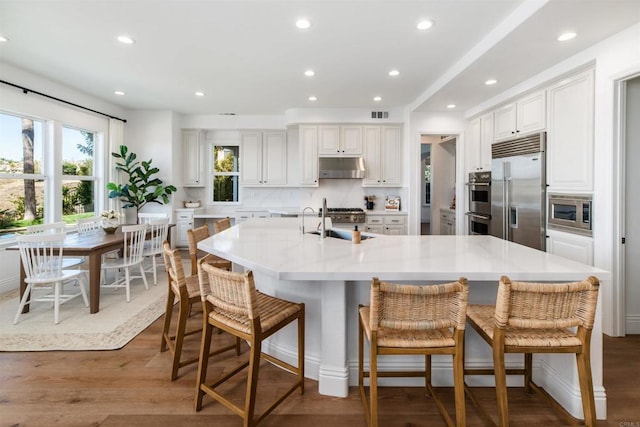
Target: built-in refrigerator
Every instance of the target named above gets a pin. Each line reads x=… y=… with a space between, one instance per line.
x=518 y=190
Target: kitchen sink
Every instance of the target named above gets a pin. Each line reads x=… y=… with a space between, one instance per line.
x=339 y=234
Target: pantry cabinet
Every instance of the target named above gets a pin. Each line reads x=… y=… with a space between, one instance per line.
x=192 y=161
x=526 y=115
x=263 y=158
x=308 y=152
x=382 y=156
x=338 y=141
x=479 y=144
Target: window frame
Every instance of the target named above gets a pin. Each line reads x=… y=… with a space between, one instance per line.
x=211 y=173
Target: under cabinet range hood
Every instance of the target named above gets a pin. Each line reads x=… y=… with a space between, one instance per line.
x=341 y=167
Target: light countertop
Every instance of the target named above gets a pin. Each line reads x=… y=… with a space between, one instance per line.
x=276 y=247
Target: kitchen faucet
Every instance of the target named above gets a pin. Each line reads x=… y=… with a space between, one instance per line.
x=324 y=215
x=303 y=211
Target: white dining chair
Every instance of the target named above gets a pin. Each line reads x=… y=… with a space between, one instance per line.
x=55 y=228
x=41 y=255
x=89 y=225
x=156 y=236
x=144 y=218
x=134 y=237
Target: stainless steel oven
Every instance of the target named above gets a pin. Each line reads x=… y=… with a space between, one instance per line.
x=479 y=186
x=478 y=223
x=571 y=213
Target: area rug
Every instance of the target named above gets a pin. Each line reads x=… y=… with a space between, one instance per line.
x=117 y=322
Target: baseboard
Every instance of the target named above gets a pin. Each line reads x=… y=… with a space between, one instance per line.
x=632 y=324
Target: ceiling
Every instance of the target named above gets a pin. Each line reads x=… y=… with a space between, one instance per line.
x=249 y=58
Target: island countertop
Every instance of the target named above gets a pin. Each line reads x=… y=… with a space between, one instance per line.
x=277 y=247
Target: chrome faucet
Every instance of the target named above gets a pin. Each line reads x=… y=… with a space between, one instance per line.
x=303 y=211
x=324 y=215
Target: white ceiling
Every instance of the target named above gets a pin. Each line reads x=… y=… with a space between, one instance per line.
x=249 y=58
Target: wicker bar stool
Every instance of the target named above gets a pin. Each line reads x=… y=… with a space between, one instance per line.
x=235 y=306
x=535 y=318
x=410 y=320
x=187 y=290
x=194 y=236
x=221 y=224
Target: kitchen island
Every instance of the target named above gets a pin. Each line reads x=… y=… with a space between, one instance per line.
x=332 y=276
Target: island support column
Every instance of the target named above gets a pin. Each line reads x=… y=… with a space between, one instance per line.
x=333 y=378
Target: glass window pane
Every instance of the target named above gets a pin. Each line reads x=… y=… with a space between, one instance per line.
x=225 y=158
x=14 y=212
x=77 y=152
x=21 y=145
x=225 y=188
x=77 y=200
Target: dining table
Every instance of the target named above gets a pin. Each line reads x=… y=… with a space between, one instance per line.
x=91 y=246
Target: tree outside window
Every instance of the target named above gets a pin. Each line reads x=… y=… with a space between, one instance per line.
x=226 y=173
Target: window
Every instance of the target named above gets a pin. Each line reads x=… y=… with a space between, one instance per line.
x=225 y=173
x=78 y=179
x=22 y=179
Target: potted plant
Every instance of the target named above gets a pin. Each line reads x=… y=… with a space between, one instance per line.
x=141 y=186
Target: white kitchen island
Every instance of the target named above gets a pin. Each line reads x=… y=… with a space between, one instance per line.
x=332 y=276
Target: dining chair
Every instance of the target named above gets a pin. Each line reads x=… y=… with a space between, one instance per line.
x=533 y=318
x=55 y=228
x=134 y=236
x=156 y=236
x=233 y=305
x=405 y=319
x=41 y=255
x=89 y=225
x=144 y=218
x=195 y=235
x=187 y=290
x=221 y=224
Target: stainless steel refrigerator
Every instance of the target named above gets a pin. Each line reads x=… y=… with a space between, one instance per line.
x=518 y=190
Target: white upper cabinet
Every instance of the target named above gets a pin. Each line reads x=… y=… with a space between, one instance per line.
x=263 y=158
x=478 y=146
x=382 y=156
x=336 y=141
x=308 y=152
x=192 y=164
x=570 y=134
x=524 y=116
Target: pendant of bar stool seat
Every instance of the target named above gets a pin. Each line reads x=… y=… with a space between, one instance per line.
x=187 y=290
x=533 y=318
x=193 y=237
x=235 y=306
x=413 y=320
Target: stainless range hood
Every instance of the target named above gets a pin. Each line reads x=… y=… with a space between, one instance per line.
x=341 y=167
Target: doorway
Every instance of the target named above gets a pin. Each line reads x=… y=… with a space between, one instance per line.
x=438 y=183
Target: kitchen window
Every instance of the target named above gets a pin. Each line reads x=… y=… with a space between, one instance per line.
x=225 y=176
x=78 y=179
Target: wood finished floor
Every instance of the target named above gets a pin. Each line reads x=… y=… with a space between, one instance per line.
x=130 y=387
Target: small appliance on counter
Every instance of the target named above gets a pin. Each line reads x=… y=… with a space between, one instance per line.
x=392 y=203
x=369 y=202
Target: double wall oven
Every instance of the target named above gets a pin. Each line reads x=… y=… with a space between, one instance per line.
x=479 y=214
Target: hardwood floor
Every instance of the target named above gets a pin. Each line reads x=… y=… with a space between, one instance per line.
x=131 y=387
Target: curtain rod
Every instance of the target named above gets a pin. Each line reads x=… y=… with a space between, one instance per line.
x=27 y=90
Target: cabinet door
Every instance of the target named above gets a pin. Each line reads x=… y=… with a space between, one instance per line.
x=251 y=158
x=391 y=156
x=372 y=150
x=378 y=229
x=329 y=140
x=486 y=139
x=191 y=159
x=531 y=113
x=309 y=156
x=351 y=140
x=473 y=148
x=571 y=246
x=394 y=230
x=274 y=158
x=570 y=134
x=504 y=122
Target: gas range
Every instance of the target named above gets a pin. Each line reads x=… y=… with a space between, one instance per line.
x=345 y=215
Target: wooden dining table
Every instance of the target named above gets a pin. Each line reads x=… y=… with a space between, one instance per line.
x=92 y=246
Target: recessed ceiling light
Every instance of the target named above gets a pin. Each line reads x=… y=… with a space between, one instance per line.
x=313 y=98
x=566 y=36
x=491 y=82
x=126 y=40
x=303 y=23
x=3 y=39
x=199 y=93
x=377 y=98
x=425 y=25
x=118 y=92
x=309 y=73
x=394 y=73
x=451 y=106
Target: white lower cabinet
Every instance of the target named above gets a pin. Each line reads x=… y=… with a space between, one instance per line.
x=571 y=246
x=184 y=222
x=447 y=222
x=246 y=215
x=392 y=225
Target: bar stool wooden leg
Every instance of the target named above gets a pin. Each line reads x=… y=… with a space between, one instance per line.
x=427 y=374
x=373 y=381
x=501 y=379
x=252 y=381
x=583 y=360
x=181 y=327
x=167 y=319
x=204 y=362
x=528 y=372
x=458 y=381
